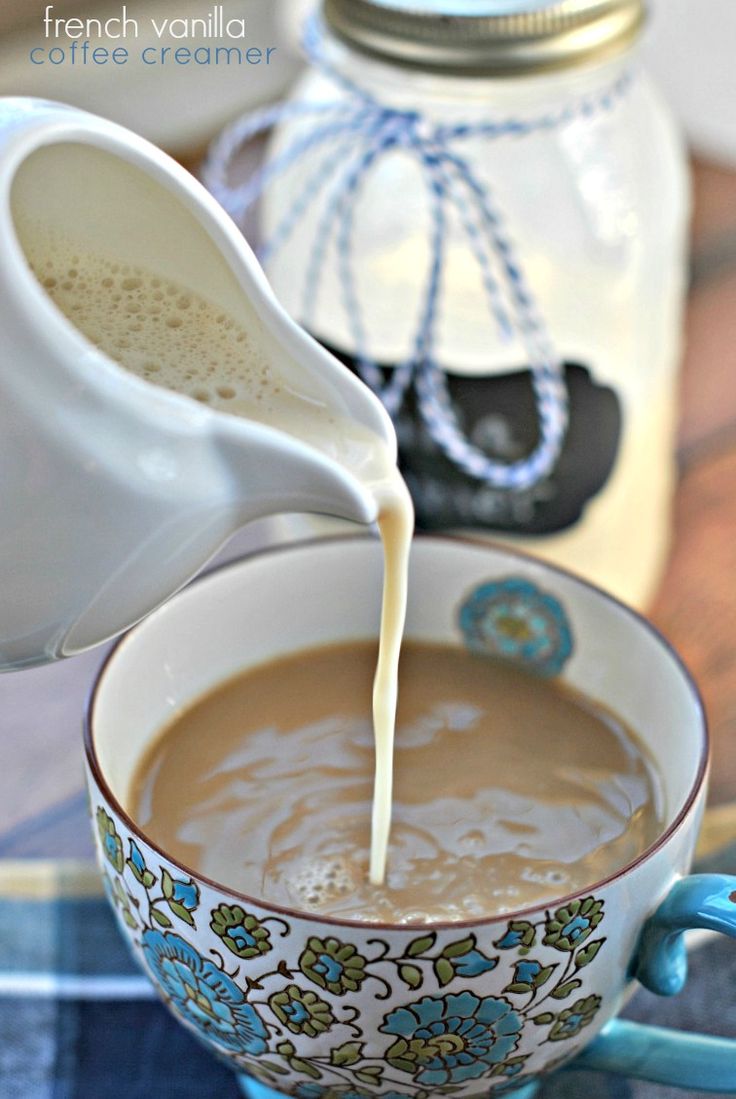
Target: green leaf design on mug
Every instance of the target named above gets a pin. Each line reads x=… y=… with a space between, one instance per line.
x=182 y=913
x=306 y=1067
x=411 y=975
x=421 y=945
x=544 y=976
x=587 y=953
x=271 y=1066
x=444 y=971
x=348 y=1054
x=565 y=990
x=287 y=1050
x=457 y=949
x=371 y=1074
x=122 y=901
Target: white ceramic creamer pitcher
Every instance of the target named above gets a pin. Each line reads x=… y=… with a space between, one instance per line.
x=114 y=492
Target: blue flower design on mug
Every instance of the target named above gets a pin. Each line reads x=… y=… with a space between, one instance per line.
x=515 y=620
x=137 y=866
x=572 y=924
x=526 y=972
x=570 y=1022
x=242 y=933
x=473 y=964
x=203 y=995
x=181 y=895
x=301 y=1012
x=137 y=861
x=112 y=845
x=186 y=893
x=518 y=933
x=333 y=965
x=452 y=1038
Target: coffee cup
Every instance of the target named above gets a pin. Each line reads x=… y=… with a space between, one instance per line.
x=313 y=1005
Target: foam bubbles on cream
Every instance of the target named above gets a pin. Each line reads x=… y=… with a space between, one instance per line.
x=320 y=883
x=157 y=329
x=175 y=338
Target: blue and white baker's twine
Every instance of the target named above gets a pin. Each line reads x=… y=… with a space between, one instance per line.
x=358 y=130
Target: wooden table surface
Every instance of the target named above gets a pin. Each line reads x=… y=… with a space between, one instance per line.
x=42 y=804
x=696 y=607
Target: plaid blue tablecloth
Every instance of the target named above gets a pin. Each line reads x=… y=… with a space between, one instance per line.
x=79 y=1021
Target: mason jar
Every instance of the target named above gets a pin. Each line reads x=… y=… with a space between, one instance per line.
x=589 y=176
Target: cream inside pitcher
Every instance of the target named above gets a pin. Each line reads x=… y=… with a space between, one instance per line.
x=116 y=491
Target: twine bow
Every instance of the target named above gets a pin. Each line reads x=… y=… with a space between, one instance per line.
x=358 y=130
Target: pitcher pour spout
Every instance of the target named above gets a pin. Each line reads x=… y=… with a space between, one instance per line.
x=325 y=445
x=273 y=473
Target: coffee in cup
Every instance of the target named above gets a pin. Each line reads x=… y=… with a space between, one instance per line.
x=509 y=790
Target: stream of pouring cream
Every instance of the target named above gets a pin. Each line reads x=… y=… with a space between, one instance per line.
x=396 y=525
x=173 y=337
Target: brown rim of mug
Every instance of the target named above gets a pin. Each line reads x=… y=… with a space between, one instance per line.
x=439 y=925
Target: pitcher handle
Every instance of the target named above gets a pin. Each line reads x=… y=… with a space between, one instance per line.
x=656 y=1054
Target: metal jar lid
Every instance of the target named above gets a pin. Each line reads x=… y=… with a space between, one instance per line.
x=486 y=37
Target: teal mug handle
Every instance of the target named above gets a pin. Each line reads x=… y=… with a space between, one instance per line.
x=661 y=1056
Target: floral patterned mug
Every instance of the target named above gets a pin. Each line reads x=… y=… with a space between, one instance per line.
x=328 y=1008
